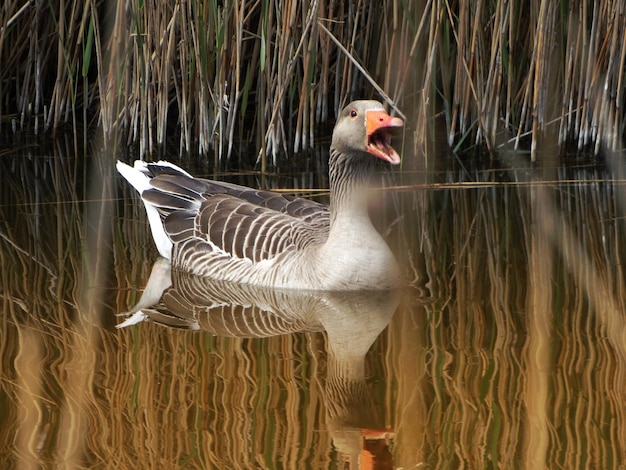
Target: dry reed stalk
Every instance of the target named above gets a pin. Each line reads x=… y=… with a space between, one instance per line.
x=217 y=74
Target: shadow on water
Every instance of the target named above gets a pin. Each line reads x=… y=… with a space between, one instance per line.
x=516 y=359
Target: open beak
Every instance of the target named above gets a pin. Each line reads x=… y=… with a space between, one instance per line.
x=379 y=126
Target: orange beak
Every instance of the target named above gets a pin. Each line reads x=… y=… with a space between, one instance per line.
x=378 y=125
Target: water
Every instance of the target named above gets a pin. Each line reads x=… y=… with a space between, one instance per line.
x=507 y=351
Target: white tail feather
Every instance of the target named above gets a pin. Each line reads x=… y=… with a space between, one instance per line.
x=138 y=179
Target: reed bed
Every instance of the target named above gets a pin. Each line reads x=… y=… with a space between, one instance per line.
x=261 y=79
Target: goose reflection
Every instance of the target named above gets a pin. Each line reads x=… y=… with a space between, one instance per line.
x=351 y=322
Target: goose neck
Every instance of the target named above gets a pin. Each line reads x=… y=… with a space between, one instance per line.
x=349 y=178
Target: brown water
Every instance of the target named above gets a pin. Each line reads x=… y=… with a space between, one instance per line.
x=509 y=351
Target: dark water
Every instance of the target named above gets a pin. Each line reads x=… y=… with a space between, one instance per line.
x=508 y=351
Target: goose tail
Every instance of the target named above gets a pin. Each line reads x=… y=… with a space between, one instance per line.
x=139 y=176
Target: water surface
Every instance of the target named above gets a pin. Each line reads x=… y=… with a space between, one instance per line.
x=508 y=349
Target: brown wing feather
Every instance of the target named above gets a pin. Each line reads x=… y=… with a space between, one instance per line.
x=179 y=191
x=244 y=230
x=292 y=205
x=243 y=222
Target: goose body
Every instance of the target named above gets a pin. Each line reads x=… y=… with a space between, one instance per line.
x=239 y=234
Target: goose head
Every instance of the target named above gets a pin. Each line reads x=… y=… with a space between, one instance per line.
x=365 y=126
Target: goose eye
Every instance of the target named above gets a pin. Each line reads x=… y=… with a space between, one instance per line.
x=353 y=113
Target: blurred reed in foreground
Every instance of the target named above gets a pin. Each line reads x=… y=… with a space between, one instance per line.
x=259 y=77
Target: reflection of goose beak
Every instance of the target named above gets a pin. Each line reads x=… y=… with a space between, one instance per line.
x=375 y=452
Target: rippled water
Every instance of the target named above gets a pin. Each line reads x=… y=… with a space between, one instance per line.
x=508 y=350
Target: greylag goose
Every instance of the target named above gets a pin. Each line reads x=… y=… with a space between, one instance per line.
x=238 y=234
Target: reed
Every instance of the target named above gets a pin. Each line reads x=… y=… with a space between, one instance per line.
x=261 y=78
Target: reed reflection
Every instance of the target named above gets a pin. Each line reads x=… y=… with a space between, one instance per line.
x=518 y=361
x=351 y=322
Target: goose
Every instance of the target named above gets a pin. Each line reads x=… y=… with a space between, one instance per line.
x=238 y=234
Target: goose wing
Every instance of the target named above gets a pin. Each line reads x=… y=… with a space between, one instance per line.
x=170 y=178
x=291 y=205
x=241 y=222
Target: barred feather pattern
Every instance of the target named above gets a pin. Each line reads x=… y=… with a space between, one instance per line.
x=238 y=234
x=231 y=232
